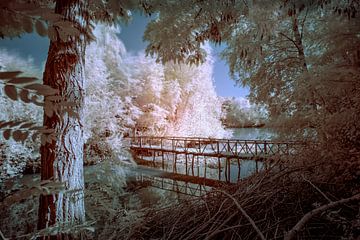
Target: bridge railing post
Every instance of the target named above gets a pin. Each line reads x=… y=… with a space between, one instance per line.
x=256 y=147
x=265 y=148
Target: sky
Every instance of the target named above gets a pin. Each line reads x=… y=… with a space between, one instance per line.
x=36 y=47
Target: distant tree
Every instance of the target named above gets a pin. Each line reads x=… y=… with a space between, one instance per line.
x=238 y=112
x=198 y=109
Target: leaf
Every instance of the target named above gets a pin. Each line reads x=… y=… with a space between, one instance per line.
x=52 y=33
x=17 y=135
x=10 y=123
x=4 y=124
x=9 y=75
x=50 y=16
x=23 y=80
x=46 y=131
x=13 y=123
x=24 y=95
x=26 y=125
x=24 y=136
x=40 y=28
x=6 y=134
x=11 y=92
x=42 y=89
x=53 y=98
x=27 y=24
x=36 y=128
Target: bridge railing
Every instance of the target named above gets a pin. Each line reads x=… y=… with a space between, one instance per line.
x=213 y=146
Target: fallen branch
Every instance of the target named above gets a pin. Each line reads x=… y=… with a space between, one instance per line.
x=292 y=233
x=261 y=235
x=317 y=189
x=2 y=236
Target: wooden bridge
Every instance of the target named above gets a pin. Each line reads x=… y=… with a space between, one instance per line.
x=207 y=160
x=211 y=147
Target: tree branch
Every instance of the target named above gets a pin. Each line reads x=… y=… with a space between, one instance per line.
x=292 y=233
x=317 y=189
x=2 y=236
x=261 y=235
x=290 y=39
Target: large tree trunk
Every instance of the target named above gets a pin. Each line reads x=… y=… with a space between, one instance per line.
x=62 y=158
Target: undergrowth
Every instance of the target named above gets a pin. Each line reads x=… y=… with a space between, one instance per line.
x=303 y=197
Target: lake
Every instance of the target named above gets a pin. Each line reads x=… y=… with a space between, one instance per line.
x=252 y=133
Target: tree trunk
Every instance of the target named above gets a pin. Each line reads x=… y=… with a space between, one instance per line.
x=301 y=54
x=62 y=158
x=298 y=42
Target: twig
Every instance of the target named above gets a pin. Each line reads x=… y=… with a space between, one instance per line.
x=261 y=235
x=317 y=189
x=292 y=233
x=2 y=236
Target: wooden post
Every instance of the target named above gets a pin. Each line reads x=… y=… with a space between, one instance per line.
x=225 y=170
x=162 y=159
x=236 y=147
x=192 y=164
x=219 y=166
x=239 y=169
x=186 y=164
x=256 y=149
x=205 y=167
x=197 y=166
x=154 y=158
x=229 y=168
x=175 y=162
x=265 y=148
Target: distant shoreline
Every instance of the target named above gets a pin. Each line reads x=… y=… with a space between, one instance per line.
x=261 y=125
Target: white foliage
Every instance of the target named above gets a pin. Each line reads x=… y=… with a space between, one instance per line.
x=103 y=106
x=198 y=108
x=15 y=155
x=124 y=92
x=239 y=112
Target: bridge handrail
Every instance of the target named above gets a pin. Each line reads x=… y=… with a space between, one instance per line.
x=268 y=141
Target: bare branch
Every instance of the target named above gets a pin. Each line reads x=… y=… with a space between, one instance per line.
x=2 y=236
x=292 y=233
x=261 y=235
x=317 y=189
x=290 y=39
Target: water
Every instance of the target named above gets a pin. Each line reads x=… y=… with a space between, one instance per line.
x=222 y=169
x=252 y=133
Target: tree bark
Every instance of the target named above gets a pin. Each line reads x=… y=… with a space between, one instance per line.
x=62 y=158
x=298 y=42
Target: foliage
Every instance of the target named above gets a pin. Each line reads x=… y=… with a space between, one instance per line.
x=18 y=151
x=238 y=112
x=273 y=201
